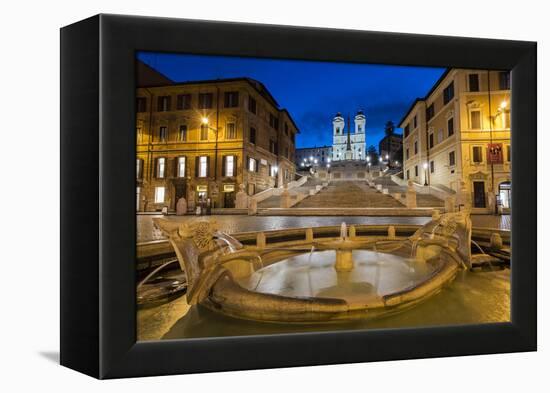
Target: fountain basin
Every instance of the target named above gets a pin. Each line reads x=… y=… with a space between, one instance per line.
x=344 y=280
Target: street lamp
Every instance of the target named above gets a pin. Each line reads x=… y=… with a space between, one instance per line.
x=425 y=166
x=204 y=120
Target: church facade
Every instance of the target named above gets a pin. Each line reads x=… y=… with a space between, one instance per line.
x=345 y=144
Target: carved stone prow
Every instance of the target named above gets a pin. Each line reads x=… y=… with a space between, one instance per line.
x=202 y=252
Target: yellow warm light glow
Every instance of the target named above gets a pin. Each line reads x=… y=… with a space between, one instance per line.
x=204 y=120
x=503 y=104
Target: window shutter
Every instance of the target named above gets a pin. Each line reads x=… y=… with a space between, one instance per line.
x=224 y=158
x=169 y=103
x=175 y=167
x=257 y=165
x=156 y=170
x=197 y=166
x=247 y=163
x=235 y=159
x=207 y=166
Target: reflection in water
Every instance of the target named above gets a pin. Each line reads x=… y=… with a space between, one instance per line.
x=473 y=298
x=374 y=274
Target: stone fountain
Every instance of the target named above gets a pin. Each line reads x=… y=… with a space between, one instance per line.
x=337 y=279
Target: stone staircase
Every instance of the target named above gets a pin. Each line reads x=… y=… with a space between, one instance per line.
x=348 y=194
x=422 y=200
x=274 y=201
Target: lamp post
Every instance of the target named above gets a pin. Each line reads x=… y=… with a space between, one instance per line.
x=425 y=166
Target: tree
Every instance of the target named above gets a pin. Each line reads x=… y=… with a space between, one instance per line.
x=389 y=128
x=373 y=154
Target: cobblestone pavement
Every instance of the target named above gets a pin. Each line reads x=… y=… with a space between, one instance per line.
x=234 y=224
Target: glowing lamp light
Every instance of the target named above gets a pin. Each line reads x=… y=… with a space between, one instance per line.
x=204 y=120
x=425 y=165
x=503 y=105
x=368 y=158
x=328 y=165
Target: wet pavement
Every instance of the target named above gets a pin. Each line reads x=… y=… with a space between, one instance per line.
x=235 y=224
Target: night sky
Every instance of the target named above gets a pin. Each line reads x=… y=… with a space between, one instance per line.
x=314 y=91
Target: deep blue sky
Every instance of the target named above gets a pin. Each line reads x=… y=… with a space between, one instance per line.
x=314 y=91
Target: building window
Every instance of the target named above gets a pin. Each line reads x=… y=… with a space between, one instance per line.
x=163 y=131
x=415 y=147
x=159 y=194
x=473 y=82
x=229 y=166
x=204 y=132
x=231 y=99
x=450 y=127
x=415 y=121
x=504 y=80
x=251 y=105
x=139 y=168
x=230 y=131
x=430 y=112
x=286 y=128
x=448 y=93
x=273 y=122
x=272 y=147
x=203 y=166
x=205 y=100
x=452 y=158
x=272 y=170
x=181 y=166
x=475 y=119
x=505 y=119
x=182 y=137
x=440 y=136
x=508 y=153
x=141 y=104
x=252 y=135
x=139 y=132
x=252 y=165
x=431 y=140
x=183 y=101
x=477 y=154
x=407 y=154
x=406 y=131
x=163 y=104
x=408 y=177
x=161 y=167
x=416 y=170
x=432 y=166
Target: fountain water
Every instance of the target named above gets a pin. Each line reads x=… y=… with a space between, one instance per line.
x=338 y=279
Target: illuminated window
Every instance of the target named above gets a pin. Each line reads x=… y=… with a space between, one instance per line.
x=203 y=166
x=183 y=101
x=229 y=166
x=252 y=165
x=205 y=100
x=181 y=166
x=161 y=167
x=139 y=168
x=163 y=104
x=159 y=194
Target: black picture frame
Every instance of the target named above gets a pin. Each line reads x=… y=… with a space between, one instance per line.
x=98 y=229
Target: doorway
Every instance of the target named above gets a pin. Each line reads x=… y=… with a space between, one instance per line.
x=479 y=194
x=505 y=194
x=229 y=199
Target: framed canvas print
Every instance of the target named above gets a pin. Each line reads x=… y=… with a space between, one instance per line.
x=239 y=196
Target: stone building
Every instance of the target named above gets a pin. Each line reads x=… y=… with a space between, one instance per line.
x=458 y=137
x=390 y=146
x=202 y=139
x=306 y=156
